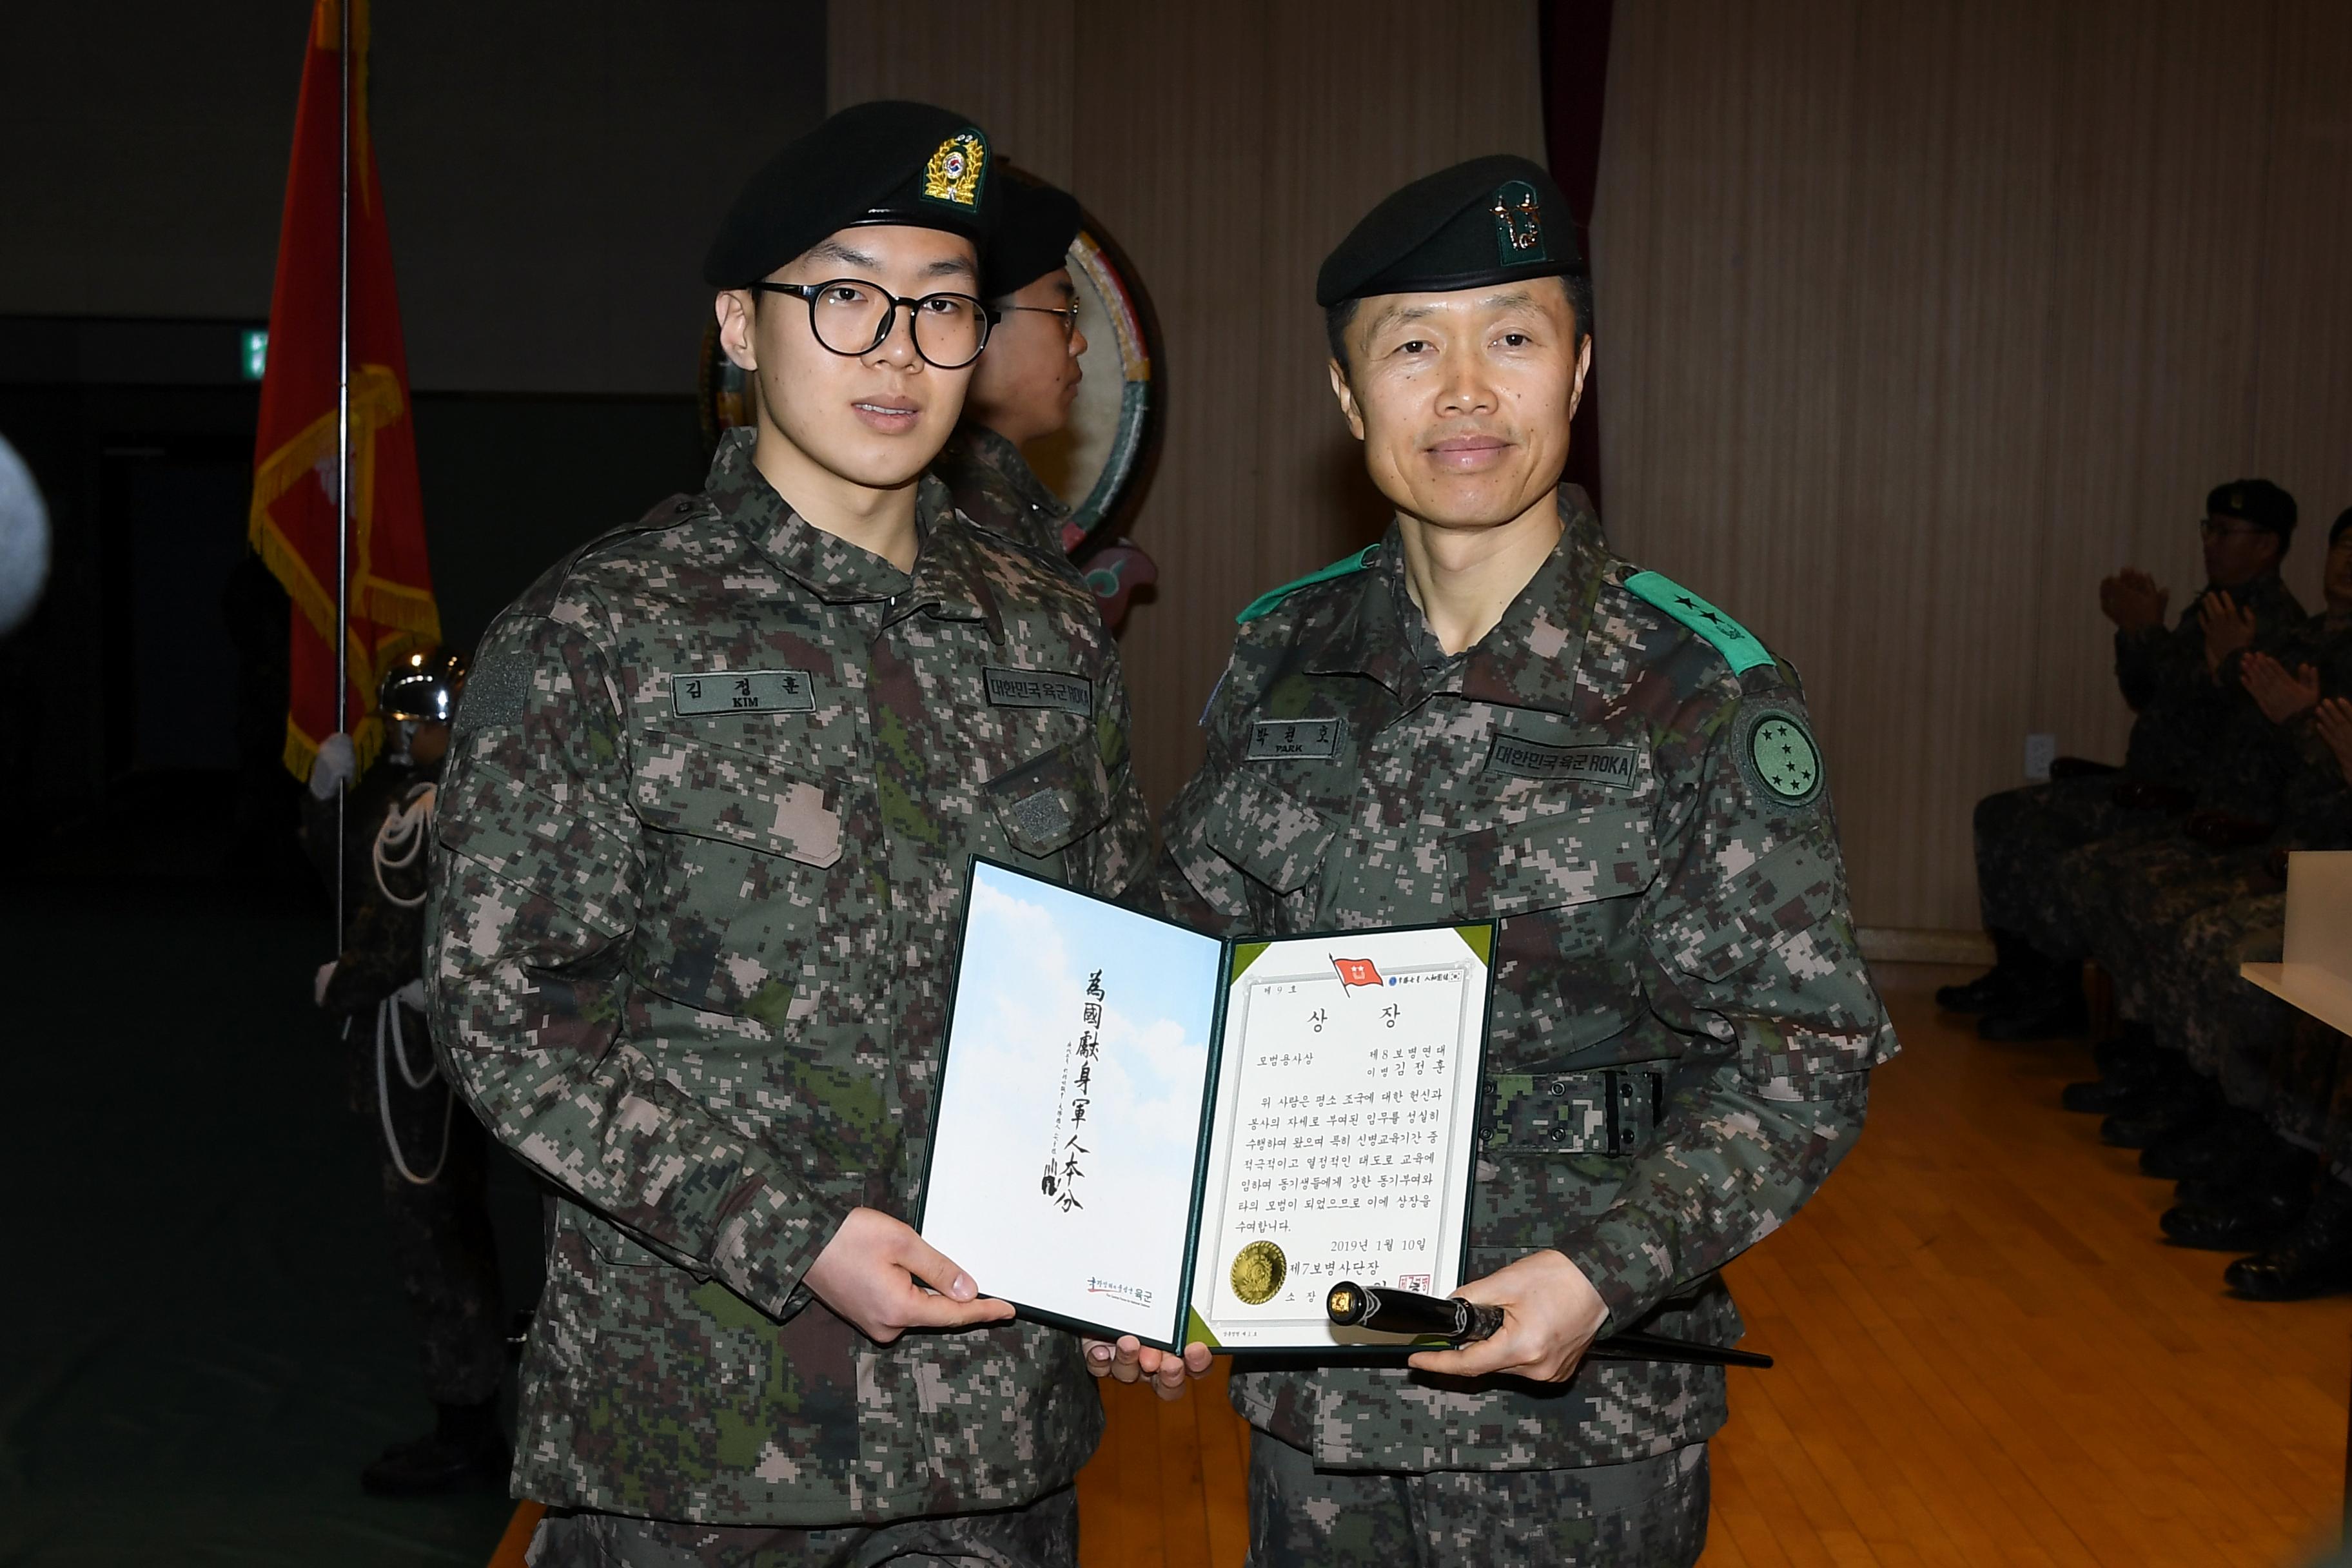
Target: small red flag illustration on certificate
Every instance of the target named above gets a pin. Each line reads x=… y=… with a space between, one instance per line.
x=1356 y=972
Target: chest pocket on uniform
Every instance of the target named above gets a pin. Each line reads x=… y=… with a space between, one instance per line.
x=1051 y=802
x=738 y=874
x=1574 y=858
x=1277 y=838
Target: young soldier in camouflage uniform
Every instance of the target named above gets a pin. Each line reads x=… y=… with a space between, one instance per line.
x=1522 y=725
x=2171 y=765
x=1025 y=382
x=711 y=799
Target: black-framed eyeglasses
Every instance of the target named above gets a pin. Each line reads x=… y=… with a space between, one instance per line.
x=1068 y=314
x=2213 y=529
x=852 y=317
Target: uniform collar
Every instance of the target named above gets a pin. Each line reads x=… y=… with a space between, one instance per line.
x=994 y=452
x=1529 y=659
x=947 y=579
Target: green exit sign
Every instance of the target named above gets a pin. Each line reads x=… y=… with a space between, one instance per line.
x=256 y=346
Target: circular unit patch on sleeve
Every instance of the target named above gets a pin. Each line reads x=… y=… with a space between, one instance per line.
x=1778 y=755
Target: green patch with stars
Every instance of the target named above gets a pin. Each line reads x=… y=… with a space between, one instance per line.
x=1778 y=755
x=1735 y=642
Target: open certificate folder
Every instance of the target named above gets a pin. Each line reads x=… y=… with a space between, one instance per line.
x=1144 y=1131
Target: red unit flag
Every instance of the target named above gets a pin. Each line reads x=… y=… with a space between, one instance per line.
x=293 y=522
x=1356 y=972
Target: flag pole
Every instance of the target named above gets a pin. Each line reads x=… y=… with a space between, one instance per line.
x=343 y=454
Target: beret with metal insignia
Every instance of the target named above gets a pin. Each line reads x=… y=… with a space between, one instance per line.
x=1491 y=220
x=884 y=163
x=1034 y=222
x=2257 y=502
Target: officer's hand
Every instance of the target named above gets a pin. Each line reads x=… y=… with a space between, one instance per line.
x=2132 y=600
x=1550 y=1314
x=321 y=981
x=2333 y=718
x=336 y=766
x=2227 y=628
x=2279 y=695
x=1130 y=1358
x=873 y=1273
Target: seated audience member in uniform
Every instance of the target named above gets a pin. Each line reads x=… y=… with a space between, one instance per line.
x=2172 y=765
x=2130 y=897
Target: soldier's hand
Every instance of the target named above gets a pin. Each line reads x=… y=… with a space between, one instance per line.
x=873 y=1273
x=2333 y=720
x=1550 y=1314
x=2279 y=695
x=2132 y=600
x=2227 y=628
x=1130 y=1359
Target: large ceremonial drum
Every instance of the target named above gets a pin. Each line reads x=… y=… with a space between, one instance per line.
x=1101 y=462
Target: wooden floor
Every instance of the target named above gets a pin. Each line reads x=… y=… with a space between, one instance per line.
x=1986 y=1357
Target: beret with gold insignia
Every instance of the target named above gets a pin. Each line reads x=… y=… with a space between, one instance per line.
x=884 y=163
x=2257 y=502
x=1034 y=225
x=1496 y=219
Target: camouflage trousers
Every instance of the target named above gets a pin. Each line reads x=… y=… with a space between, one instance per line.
x=2021 y=837
x=2124 y=900
x=442 y=1243
x=2230 y=1028
x=1651 y=1513
x=1043 y=1535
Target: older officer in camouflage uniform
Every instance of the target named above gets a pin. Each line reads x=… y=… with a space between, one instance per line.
x=713 y=791
x=1516 y=723
x=2171 y=765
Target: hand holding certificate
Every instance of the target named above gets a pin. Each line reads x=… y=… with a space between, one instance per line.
x=1143 y=1130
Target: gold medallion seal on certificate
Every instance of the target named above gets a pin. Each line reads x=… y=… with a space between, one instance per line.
x=1258 y=1272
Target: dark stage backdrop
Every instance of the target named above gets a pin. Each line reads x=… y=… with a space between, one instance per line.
x=551 y=173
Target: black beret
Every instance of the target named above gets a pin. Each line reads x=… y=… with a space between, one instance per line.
x=2257 y=502
x=1034 y=222
x=1491 y=220
x=913 y=163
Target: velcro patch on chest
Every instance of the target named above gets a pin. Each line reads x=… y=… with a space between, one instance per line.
x=1281 y=740
x=1614 y=767
x=742 y=691
x=1040 y=689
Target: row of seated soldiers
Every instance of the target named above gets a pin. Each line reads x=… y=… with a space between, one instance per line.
x=2170 y=872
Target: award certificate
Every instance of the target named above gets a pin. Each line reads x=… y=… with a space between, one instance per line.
x=1140 y=1129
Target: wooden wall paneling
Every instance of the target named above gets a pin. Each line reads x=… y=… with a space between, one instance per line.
x=1006 y=63
x=2302 y=387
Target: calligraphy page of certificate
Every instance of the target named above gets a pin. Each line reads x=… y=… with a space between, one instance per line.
x=1065 y=1150
x=1343 y=1135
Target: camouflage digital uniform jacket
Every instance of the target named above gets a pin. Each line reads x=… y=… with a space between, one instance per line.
x=2193 y=731
x=1683 y=1026
x=701 y=860
x=995 y=486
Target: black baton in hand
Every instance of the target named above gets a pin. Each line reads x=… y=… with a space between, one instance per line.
x=1460 y=1322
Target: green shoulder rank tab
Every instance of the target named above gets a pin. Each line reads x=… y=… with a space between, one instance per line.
x=1735 y=642
x=1264 y=603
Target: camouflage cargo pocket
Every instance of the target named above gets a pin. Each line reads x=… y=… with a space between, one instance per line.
x=1584 y=857
x=1279 y=840
x=742 y=865
x=1051 y=801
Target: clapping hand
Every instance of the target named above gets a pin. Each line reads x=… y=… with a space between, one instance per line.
x=2227 y=628
x=2279 y=695
x=2132 y=600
